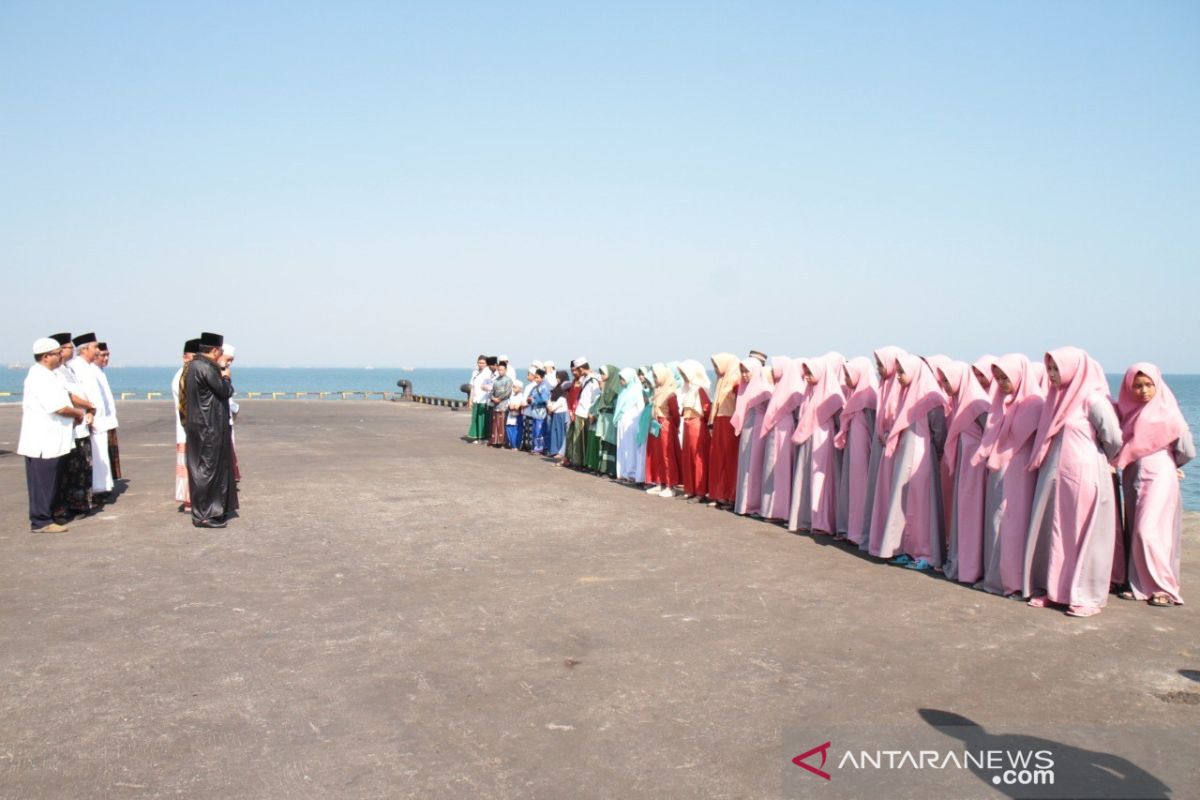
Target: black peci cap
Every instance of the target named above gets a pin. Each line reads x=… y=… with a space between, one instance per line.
x=191 y=346
x=62 y=338
x=83 y=338
x=211 y=340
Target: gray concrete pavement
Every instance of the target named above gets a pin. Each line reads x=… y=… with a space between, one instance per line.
x=400 y=614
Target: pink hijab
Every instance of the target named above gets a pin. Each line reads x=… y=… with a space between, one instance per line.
x=936 y=363
x=750 y=394
x=1082 y=379
x=889 y=390
x=984 y=364
x=824 y=398
x=862 y=397
x=1147 y=427
x=788 y=391
x=970 y=400
x=1012 y=418
x=921 y=396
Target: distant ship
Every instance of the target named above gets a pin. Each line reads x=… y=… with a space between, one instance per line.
x=406 y=369
x=18 y=366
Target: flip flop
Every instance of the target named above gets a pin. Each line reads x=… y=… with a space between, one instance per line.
x=901 y=560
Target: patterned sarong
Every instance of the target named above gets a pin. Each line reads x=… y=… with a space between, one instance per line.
x=114 y=454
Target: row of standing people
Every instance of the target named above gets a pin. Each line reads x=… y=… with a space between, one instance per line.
x=68 y=431
x=1021 y=478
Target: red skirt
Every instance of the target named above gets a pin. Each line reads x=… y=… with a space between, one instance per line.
x=662 y=455
x=722 y=461
x=694 y=460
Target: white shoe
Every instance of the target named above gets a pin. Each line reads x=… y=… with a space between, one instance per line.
x=667 y=492
x=654 y=490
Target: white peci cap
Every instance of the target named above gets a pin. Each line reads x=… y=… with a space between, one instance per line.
x=229 y=350
x=45 y=345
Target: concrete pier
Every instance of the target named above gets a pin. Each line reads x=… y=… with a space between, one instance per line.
x=399 y=614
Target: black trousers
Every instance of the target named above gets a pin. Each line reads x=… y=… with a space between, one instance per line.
x=42 y=476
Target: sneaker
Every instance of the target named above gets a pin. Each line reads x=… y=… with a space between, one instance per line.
x=667 y=492
x=53 y=527
x=901 y=560
x=653 y=489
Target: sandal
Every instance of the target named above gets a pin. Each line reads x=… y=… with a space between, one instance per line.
x=901 y=560
x=1161 y=600
x=1040 y=601
x=920 y=565
x=1126 y=595
x=1082 y=611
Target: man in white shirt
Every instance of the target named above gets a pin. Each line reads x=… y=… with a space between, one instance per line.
x=47 y=414
x=113 y=451
x=77 y=472
x=190 y=348
x=104 y=425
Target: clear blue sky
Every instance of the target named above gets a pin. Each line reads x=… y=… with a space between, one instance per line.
x=412 y=183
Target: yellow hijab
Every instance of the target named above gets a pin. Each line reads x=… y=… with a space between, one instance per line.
x=729 y=375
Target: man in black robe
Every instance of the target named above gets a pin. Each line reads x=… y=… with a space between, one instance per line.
x=209 y=438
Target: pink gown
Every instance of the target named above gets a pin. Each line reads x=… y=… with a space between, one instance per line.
x=857 y=480
x=1154 y=512
x=778 y=453
x=823 y=479
x=1069 y=552
x=967 y=511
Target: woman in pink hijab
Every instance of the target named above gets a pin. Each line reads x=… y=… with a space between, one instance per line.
x=814 y=488
x=1073 y=527
x=969 y=405
x=1006 y=449
x=885 y=415
x=910 y=523
x=936 y=363
x=753 y=394
x=982 y=368
x=1157 y=443
x=855 y=438
x=779 y=423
